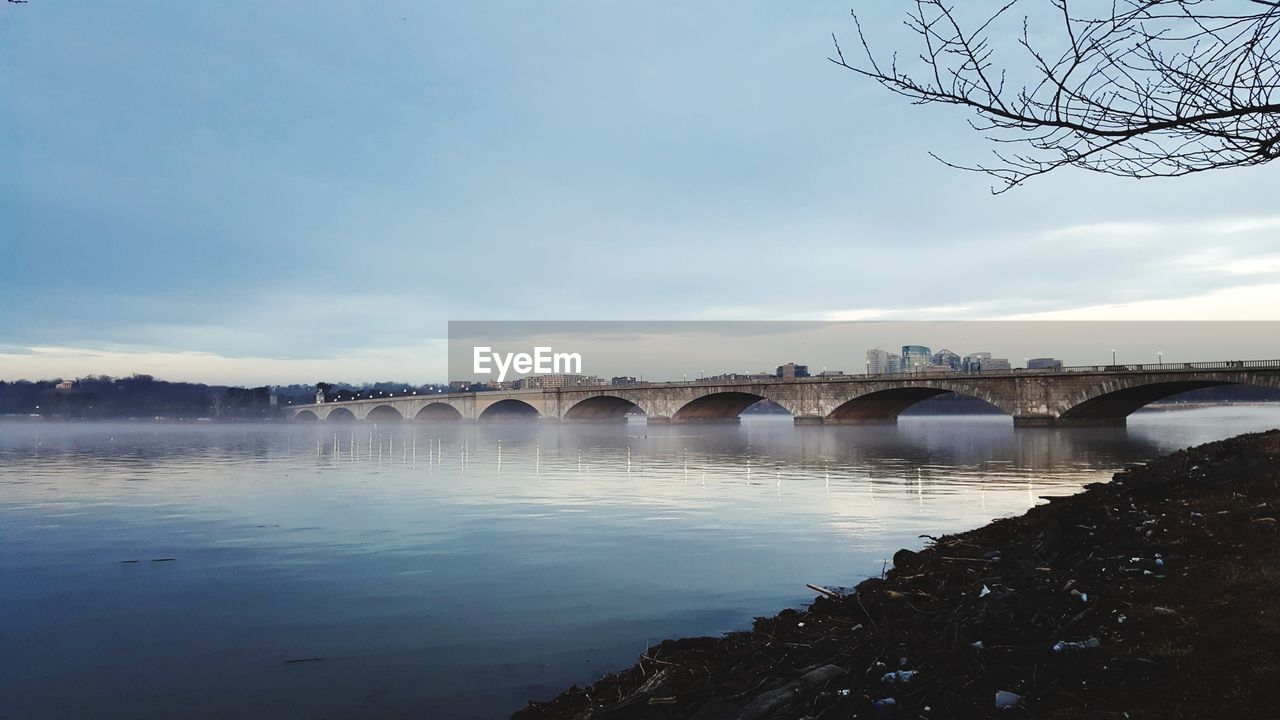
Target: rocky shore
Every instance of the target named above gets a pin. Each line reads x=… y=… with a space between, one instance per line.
x=1150 y=596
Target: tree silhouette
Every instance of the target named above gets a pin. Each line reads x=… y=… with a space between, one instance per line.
x=1146 y=88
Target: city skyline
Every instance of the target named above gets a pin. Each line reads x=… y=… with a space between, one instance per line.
x=691 y=349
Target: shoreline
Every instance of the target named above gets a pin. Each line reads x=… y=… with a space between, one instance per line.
x=1159 y=585
x=1167 y=407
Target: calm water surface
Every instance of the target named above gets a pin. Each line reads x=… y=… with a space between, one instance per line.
x=457 y=572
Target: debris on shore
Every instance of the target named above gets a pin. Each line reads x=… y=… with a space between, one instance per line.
x=1150 y=596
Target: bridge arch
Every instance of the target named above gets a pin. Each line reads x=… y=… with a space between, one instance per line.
x=602 y=407
x=724 y=406
x=340 y=415
x=305 y=416
x=438 y=412
x=510 y=409
x=1112 y=406
x=384 y=413
x=885 y=405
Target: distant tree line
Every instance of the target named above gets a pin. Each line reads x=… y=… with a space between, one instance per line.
x=336 y=392
x=141 y=396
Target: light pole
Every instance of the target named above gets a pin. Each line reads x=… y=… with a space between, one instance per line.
x=1160 y=356
x=1113 y=356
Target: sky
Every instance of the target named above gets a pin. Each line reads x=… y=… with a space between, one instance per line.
x=275 y=192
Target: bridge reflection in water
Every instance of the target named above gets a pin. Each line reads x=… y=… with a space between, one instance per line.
x=1092 y=395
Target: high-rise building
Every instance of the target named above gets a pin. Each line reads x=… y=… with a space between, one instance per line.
x=973 y=361
x=877 y=362
x=915 y=357
x=791 y=371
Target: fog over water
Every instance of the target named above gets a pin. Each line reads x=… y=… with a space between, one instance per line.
x=459 y=571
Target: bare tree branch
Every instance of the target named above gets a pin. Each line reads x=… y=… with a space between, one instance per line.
x=1151 y=88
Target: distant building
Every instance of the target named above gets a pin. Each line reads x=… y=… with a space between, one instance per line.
x=882 y=362
x=740 y=377
x=934 y=369
x=558 y=380
x=973 y=362
x=876 y=363
x=623 y=380
x=66 y=385
x=945 y=358
x=1044 y=364
x=791 y=371
x=831 y=373
x=915 y=357
x=981 y=362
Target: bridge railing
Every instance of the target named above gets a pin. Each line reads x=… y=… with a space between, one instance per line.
x=938 y=372
x=1150 y=367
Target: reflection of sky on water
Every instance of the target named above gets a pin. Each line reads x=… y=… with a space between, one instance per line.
x=437 y=568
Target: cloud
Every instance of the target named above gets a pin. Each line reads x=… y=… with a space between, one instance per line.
x=268 y=206
x=1223 y=260
x=1254 y=302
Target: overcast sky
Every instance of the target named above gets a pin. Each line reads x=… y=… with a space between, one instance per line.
x=288 y=191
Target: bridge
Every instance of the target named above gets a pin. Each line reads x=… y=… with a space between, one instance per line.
x=1087 y=395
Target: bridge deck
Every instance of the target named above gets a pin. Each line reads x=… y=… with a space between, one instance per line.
x=1091 y=394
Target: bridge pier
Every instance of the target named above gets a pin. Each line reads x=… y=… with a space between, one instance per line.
x=809 y=420
x=657 y=420
x=1120 y=421
x=706 y=421
x=1049 y=421
x=1035 y=421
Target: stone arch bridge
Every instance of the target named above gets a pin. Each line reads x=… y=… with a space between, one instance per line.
x=1094 y=395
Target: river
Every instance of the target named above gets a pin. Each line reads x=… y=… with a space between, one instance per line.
x=431 y=571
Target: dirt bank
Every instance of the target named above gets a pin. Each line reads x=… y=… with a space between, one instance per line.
x=1167 y=577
